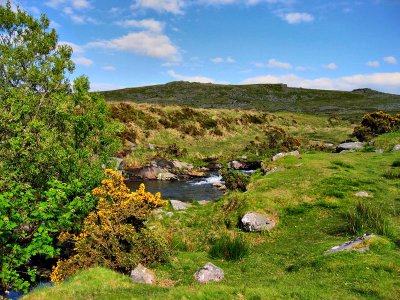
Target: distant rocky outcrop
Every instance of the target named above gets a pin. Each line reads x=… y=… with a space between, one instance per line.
x=209 y=272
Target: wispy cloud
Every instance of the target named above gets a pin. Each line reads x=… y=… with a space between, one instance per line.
x=163 y=6
x=228 y=60
x=201 y=79
x=148 y=24
x=373 y=63
x=297 y=17
x=389 y=82
x=108 y=68
x=82 y=61
x=77 y=4
x=274 y=64
x=390 y=60
x=330 y=66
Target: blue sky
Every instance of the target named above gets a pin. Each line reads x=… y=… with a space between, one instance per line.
x=306 y=43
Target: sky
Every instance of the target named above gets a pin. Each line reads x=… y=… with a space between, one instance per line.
x=320 y=44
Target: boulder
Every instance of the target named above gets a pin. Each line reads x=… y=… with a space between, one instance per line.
x=252 y=221
x=166 y=176
x=359 y=244
x=349 y=146
x=396 y=148
x=362 y=194
x=147 y=172
x=193 y=173
x=142 y=275
x=179 y=205
x=209 y=272
x=181 y=165
x=280 y=155
x=214 y=166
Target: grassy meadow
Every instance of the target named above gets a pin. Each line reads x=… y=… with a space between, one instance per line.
x=313 y=202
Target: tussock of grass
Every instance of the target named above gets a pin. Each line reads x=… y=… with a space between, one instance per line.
x=229 y=248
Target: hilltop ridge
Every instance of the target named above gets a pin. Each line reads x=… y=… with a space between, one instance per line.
x=266 y=97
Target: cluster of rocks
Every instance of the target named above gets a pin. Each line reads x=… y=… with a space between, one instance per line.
x=209 y=272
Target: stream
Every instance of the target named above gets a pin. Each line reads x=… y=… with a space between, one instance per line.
x=184 y=190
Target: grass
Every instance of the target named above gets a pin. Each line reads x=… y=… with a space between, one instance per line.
x=229 y=248
x=289 y=262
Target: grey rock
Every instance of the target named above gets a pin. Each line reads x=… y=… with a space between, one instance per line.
x=379 y=151
x=165 y=175
x=362 y=194
x=147 y=172
x=203 y=202
x=182 y=165
x=142 y=275
x=252 y=221
x=151 y=147
x=396 y=148
x=209 y=272
x=117 y=163
x=244 y=165
x=349 y=146
x=352 y=245
x=179 y=205
x=267 y=171
x=283 y=154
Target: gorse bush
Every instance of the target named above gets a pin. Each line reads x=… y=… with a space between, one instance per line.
x=376 y=123
x=367 y=218
x=229 y=248
x=115 y=234
x=234 y=180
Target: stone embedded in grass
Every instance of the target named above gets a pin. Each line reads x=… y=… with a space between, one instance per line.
x=349 y=146
x=363 y=194
x=396 y=148
x=283 y=154
x=358 y=244
x=267 y=170
x=209 y=272
x=142 y=275
x=252 y=221
x=179 y=205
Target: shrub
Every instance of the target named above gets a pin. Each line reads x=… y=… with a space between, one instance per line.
x=376 y=123
x=229 y=248
x=366 y=217
x=234 y=180
x=115 y=234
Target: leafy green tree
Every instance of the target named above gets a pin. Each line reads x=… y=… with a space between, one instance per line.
x=54 y=138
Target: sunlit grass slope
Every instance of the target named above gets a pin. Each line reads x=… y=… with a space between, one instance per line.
x=310 y=201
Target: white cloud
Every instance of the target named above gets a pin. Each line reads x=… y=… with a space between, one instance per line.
x=108 y=68
x=76 y=48
x=389 y=82
x=148 y=24
x=373 y=63
x=169 y=6
x=273 y=63
x=145 y=43
x=228 y=60
x=390 y=60
x=82 y=61
x=201 y=79
x=77 y=4
x=296 y=17
x=331 y=66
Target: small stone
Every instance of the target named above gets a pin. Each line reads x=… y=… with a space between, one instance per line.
x=363 y=194
x=209 y=272
x=379 y=151
x=166 y=176
x=151 y=147
x=169 y=214
x=142 y=275
x=203 y=202
x=179 y=205
x=349 y=146
x=252 y=221
x=396 y=148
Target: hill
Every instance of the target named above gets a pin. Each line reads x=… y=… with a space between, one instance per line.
x=265 y=97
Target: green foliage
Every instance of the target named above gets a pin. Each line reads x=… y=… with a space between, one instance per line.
x=376 y=123
x=229 y=248
x=29 y=222
x=115 y=234
x=53 y=140
x=234 y=180
x=366 y=217
x=396 y=163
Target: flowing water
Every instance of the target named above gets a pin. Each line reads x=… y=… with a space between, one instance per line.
x=185 y=190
